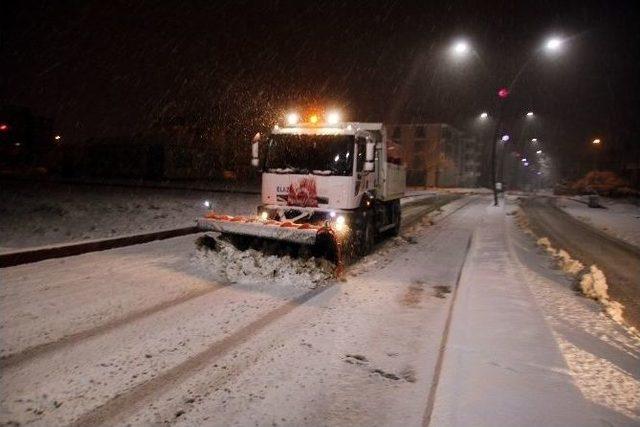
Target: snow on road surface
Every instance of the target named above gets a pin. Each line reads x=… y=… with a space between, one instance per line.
x=153 y=334
x=620 y=219
x=55 y=213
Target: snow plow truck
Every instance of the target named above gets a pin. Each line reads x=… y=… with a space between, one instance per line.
x=329 y=188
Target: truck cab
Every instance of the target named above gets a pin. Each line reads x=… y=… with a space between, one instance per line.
x=333 y=172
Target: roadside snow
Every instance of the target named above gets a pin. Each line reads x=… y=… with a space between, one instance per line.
x=43 y=214
x=603 y=358
x=593 y=282
x=620 y=219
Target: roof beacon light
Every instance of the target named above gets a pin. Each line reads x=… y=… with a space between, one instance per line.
x=292 y=119
x=333 y=118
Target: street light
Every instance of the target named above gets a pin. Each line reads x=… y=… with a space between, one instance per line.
x=596 y=153
x=484 y=116
x=530 y=114
x=460 y=48
x=505 y=138
x=57 y=137
x=539 y=152
x=553 y=44
x=534 y=140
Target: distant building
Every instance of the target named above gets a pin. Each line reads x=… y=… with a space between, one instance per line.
x=438 y=155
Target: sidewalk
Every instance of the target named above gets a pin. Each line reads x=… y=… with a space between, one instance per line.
x=502 y=365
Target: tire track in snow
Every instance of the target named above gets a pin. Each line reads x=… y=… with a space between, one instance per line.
x=133 y=399
x=23 y=356
x=30 y=353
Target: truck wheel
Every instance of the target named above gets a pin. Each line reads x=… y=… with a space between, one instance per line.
x=368 y=236
x=397 y=217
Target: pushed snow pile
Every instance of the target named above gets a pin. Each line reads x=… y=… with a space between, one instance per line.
x=252 y=266
x=594 y=285
x=523 y=222
x=569 y=265
x=562 y=257
x=546 y=244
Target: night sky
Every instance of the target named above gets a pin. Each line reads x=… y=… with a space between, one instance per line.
x=104 y=68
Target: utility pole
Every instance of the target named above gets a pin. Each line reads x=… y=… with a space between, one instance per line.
x=502 y=95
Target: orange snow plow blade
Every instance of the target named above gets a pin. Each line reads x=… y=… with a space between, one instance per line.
x=321 y=240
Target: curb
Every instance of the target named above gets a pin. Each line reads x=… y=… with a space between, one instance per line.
x=49 y=252
x=28 y=256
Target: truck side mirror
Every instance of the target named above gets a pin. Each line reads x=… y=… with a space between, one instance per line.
x=370 y=156
x=255 y=146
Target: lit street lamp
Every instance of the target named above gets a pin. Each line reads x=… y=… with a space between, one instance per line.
x=505 y=138
x=596 y=152
x=539 y=152
x=534 y=140
x=460 y=48
x=484 y=116
x=553 y=44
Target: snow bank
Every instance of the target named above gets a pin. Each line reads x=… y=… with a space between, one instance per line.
x=252 y=266
x=523 y=221
x=594 y=285
x=562 y=257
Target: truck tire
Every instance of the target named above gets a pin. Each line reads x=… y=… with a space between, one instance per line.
x=368 y=236
x=397 y=218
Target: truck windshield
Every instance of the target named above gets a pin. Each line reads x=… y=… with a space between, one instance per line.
x=315 y=154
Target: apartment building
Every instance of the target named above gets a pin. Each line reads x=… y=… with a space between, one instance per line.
x=438 y=155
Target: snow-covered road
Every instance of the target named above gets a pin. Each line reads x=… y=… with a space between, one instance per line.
x=158 y=333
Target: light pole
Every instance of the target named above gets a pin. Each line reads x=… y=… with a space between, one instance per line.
x=461 y=49
x=596 y=151
x=502 y=96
